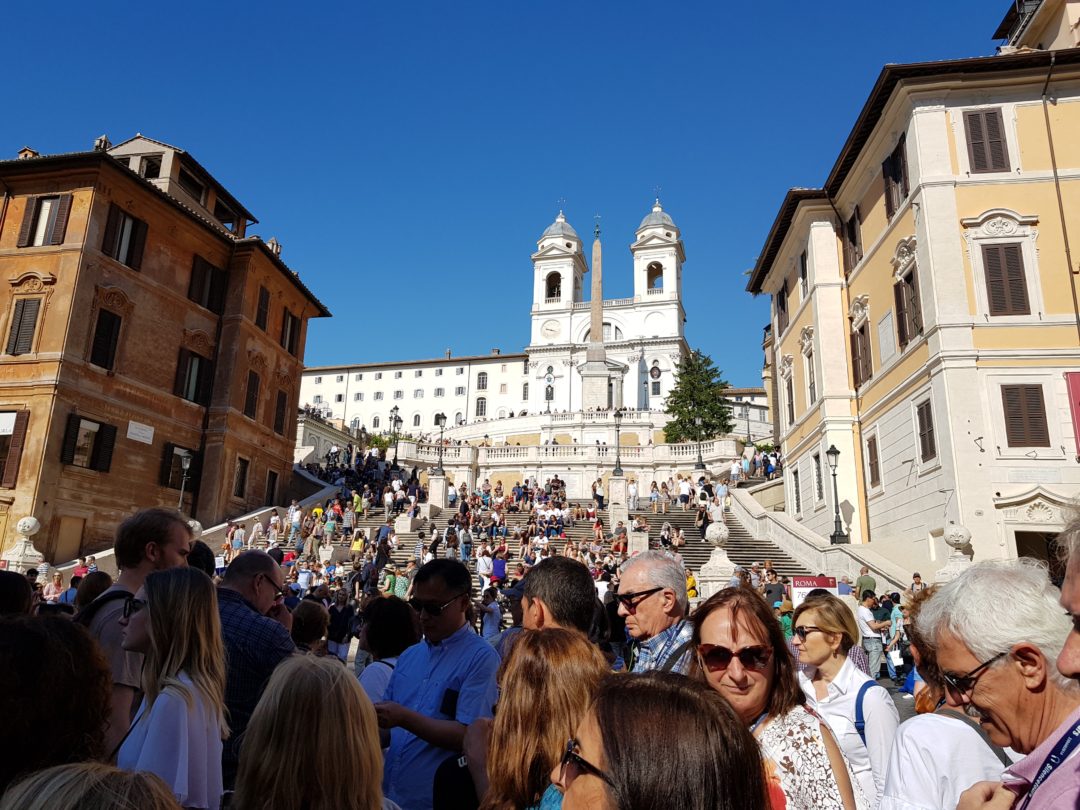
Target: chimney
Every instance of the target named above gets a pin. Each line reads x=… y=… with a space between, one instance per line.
x=102 y=144
x=496 y=352
x=274 y=245
x=26 y=152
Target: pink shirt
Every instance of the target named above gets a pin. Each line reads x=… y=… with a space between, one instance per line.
x=1060 y=790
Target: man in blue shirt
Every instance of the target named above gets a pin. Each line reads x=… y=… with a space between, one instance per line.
x=438 y=688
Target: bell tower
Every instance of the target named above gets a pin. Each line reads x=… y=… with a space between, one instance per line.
x=558 y=267
x=658 y=258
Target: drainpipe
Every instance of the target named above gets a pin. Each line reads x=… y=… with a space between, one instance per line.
x=4 y=204
x=1070 y=271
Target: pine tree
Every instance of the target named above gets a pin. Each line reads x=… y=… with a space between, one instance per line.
x=698 y=393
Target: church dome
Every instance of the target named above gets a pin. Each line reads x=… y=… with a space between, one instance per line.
x=560 y=228
x=657 y=218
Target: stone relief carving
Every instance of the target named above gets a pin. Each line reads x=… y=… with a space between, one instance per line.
x=806 y=339
x=1040 y=512
x=860 y=311
x=787 y=365
x=256 y=359
x=998 y=222
x=198 y=341
x=31 y=282
x=284 y=379
x=114 y=299
x=904 y=257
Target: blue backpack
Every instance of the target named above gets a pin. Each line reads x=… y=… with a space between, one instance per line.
x=860 y=719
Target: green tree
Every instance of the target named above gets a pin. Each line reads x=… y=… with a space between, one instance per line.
x=698 y=394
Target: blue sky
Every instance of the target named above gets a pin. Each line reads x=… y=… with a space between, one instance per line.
x=408 y=155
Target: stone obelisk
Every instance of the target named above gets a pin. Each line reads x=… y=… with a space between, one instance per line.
x=594 y=371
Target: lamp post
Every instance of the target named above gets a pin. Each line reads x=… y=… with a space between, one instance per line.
x=440 y=420
x=700 y=463
x=618 y=445
x=185 y=465
x=839 y=536
x=394 y=422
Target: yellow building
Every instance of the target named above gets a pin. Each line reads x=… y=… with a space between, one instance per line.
x=924 y=305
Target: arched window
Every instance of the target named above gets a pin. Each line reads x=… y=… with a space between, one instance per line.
x=481 y=406
x=611 y=332
x=416 y=420
x=525 y=391
x=502 y=413
x=355 y=424
x=481 y=381
x=459 y=419
x=654 y=276
x=553 y=286
x=374 y=422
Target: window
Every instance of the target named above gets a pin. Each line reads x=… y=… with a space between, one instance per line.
x=656 y=389
x=811 y=378
x=88 y=444
x=418 y=373
x=397 y=375
x=23 y=325
x=317 y=399
x=852 y=238
x=439 y=392
x=416 y=420
x=908 y=308
x=399 y=395
x=150 y=167
x=378 y=375
x=358 y=377
x=502 y=388
x=796 y=490
x=240 y=476
x=125 y=238
x=803 y=275
x=106 y=337
x=502 y=368
x=378 y=395
x=872 y=461
x=1025 y=416
x=438 y=372
x=318 y=380
x=208 y=285
x=525 y=366
x=789 y=392
x=459 y=419
x=894 y=171
x=194 y=377
x=1006 y=284
x=481 y=407
x=281 y=408
x=358 y=396
x=189 y=183
x=375 y=422
x=459 y=370
x=862 y=363
x=251 y=400
x=418 y=393
x=339 y=378
x=819 y=484
x=525 y=391
x=262 y=311
x=459 y=391
x=986 y=141
x=339 y=397
x=925 y=418
x=781 y=309
x=13 y=426
x=172 y=466
x=271 y=488
x=290 y=332
x=44 y=221
x=481 y=381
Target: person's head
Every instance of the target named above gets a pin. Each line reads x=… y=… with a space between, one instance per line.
x=710 y=761
x=341 y=597
x=55 y=687
x=558 y=592
x=92 y=586
x=57 y=578
x=1068 y=662
x=863 y=571
x=741 y=654
x=311 y=774
x=823 y=627
x=309 y=622
x=916 y=578
x=652 y=593
x=152 y=539
x=546 y=685
x=441 y=595
x=202 y=558
x=257 y=577
x=16 y=594
x=173 y=620
x=82 y=561
x=869 y=598
x=90 y=786
x=390 y=627
x=998 y=630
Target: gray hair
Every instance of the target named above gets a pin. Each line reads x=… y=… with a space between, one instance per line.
x=1068 y=542
x=992 y=606
x=663 y=571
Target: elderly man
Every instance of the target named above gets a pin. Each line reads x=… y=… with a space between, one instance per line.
x=652 y=598
x=998 y=630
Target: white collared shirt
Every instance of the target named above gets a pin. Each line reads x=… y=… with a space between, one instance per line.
x=868 y=762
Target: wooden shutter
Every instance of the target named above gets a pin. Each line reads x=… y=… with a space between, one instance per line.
x=782 y=308
x=986 y=141
x=888 y=174
x=10 y=473
x=219 y=282
x=900 y=167
x=197 y=286
x=997 y=155
x=279 y=412
x=915 y=319
x=204 y=385
x=872 y=461
x=138 y=243
x=23 y=325
x=1006 y=283
x=112 y=224
x=63 y=211
x=262 y=313
x=251 y=403
x=1025 y=416
x=182 y=362
x=106 y=336
x=856 y=360
x=71 y=437
x=166 y=465
x=900 y=296
x=103 y=448
x=927 y=446
x=26 y=230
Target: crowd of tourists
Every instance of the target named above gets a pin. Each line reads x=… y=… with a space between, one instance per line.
x=179 y=685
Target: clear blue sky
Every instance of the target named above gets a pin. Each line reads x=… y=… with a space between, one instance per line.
x=408 y=155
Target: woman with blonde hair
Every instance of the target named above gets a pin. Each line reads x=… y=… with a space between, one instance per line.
x=545 y=687
x=298 y=754
x=89 y=786
x=177 y=732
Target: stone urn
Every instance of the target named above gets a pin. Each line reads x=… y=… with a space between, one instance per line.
x=716 y=573
x=23 y=556
x=956 y=537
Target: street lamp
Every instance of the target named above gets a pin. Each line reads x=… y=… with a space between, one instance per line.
x=440 y=420
x=700 y=463
x=618 y=445
x=394 y=422
x=839 y=536
x=185 y=465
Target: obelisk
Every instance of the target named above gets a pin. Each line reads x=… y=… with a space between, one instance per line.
x=594 y=371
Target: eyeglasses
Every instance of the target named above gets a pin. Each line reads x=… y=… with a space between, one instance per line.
x=133 y=606
x=432 y=608
x=960 y=685
x=805 y=630
x=280 y=591
x=574 y=765
x=630 y=601
x=716 y=658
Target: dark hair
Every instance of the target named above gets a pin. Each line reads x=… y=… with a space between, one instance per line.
x=390 y=625
x=566 y=587
x=145 y=526
x=16 y=594
x=717 y=761
x=201 y=556
x=246 y=565
x=454 y=574
x=74 y=581
x=868 y=594
x=93 y=585
x=786 y=693
x=309 y=622
x=54 y=694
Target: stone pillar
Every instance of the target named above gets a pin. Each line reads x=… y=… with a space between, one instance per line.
x=957 y=538
x=716 y=573
x=616 y=491
x=437 y=490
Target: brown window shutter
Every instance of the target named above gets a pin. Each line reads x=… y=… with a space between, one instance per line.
x=927 y=446
x=915 y=318
x=900 y=167
x=1006 y=285
x=888 y=174
x=263 y=311
x=26 y=230
x=106 y=337
x=166 y=464
x=872 y=460
x=63 y=211
x=181 y=372
x=976 y=141
x=1025 y=416
x=103 y=448
x=112 y=223
x=23 y=325
x=197 y=285
x=996 y=154
x=71 y=436
x=1016 y=283
x=205 y=383
x=219 y=282
x=856 y=360
x=138 y=244
x=279 y=412
x=900 y=298
x=10 y=474
x=251 y=403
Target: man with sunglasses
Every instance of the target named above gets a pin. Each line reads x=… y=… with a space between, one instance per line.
x=998 y=630
x=438 y=688
x=652 y=598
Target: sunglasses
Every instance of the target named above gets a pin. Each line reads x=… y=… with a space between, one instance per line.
x=716 y=658
x=960 y=685
x=574 y=765
x=280 y=592
x=133 y=606
x=805 y=630
x=432 y=608
x=630 y=601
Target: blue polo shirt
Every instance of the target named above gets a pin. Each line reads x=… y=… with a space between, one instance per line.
x=452 y=680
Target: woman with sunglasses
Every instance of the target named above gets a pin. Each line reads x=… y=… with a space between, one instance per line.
x=177 y=732
x=824 y=630
x=659 y=739
x=741 y=654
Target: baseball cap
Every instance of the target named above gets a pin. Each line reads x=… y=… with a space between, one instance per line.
x=777 y=604
x=515 y=591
